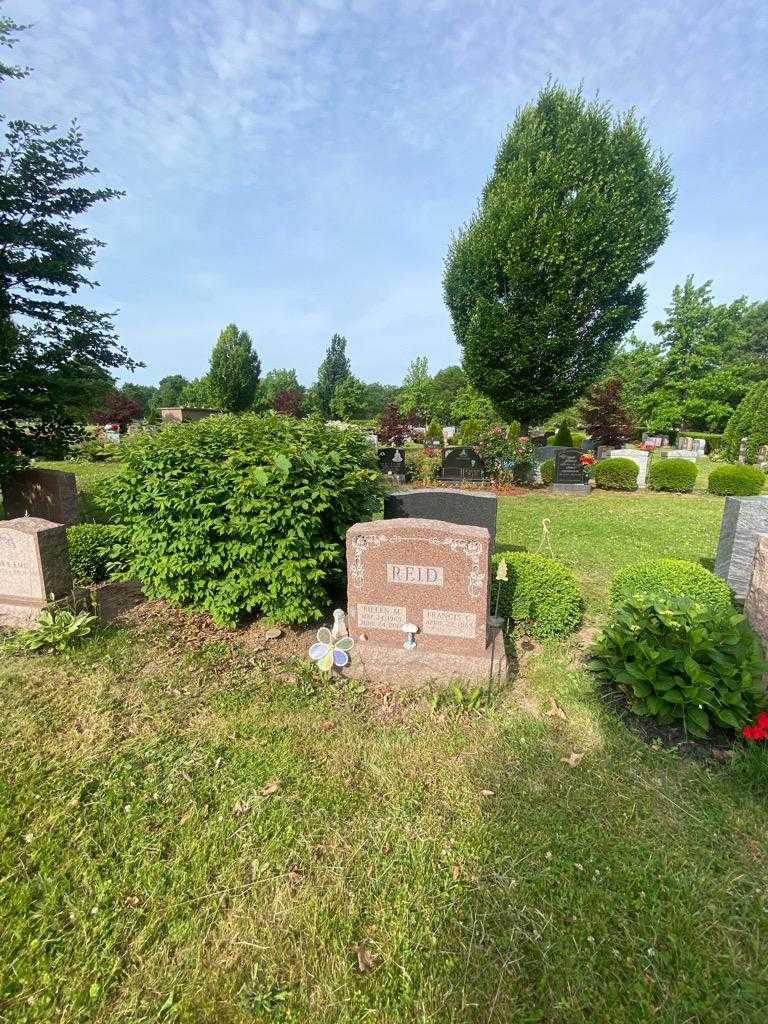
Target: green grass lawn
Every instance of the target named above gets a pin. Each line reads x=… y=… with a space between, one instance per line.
x=201 y=835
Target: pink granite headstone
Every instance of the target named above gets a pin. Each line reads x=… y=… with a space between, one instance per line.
x=430 y=574
x=34 y=568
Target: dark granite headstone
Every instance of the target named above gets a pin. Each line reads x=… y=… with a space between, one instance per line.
x=448 y=504
x=392 y=461
x=549 y=451
x=43 y=493
x=462 y=464
x=589 y=445
x=570 y=477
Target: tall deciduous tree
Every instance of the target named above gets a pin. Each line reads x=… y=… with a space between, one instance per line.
x=53 y=351
x=332 y=371
x=418 y=394
x=274 y=383
x=235 y=370
x=348 y=402
x=542 y=282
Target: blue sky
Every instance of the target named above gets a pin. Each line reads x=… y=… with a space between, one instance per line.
x=299 y=167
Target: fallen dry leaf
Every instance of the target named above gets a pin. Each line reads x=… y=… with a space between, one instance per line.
x=572 y=759
x=270 y=789
x=273 y=633
x=364 y=959
x=487 y=792
x=240 y=808
x=555 y=711
x=187 y=815
x=456 y=871
x=328 y=725
x=722 y=755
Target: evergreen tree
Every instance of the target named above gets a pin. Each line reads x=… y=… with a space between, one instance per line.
x=332 y=371
x=234 y=372
x=55 y=354
x=542 y=283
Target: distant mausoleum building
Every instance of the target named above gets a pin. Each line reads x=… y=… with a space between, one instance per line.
x=182 y=415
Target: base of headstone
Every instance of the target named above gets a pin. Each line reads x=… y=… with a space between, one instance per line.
x=110 y=600
x=393 y=478
x=577 y=490
x=16 y=613
x=376 y=663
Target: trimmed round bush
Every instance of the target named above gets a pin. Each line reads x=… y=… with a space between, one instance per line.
x=673 y=575
x=547 y=469
x=94 y=551
x=563 y=436
x=539 y=593
x=243 y=514
x=616 y=474
x=736 y=479
x=672 y=475
x=683 y=662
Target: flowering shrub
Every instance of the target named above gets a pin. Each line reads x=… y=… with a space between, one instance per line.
x=506 y=457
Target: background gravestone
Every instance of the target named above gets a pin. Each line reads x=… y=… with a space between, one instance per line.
x=638 y=457
x=462 y=464
x=447 y=504
x=756 y=603
x=570 y=476
x=44 y=493
x=743 y=520
x=392 y=462
x=34 y=568
x=589 y=445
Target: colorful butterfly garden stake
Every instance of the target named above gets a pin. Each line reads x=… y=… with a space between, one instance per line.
x=328 y=654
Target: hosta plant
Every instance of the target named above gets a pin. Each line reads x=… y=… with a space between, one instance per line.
x=682 y=662
x=56 y=632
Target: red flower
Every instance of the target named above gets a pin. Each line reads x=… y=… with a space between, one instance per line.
x=758 y=731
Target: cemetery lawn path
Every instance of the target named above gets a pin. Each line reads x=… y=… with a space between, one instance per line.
x=190 y=832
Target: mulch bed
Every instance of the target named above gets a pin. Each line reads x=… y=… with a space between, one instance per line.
x=718 y=746
x=194 y=630
x=508 y=490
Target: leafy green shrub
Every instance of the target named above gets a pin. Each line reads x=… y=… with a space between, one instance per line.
x=675 y=576
x=237 y=514
x=55 y=631
x=616 y=474
x=539 y=593
x=750 y=420
x=514 y=429
x=470 y=431
x=677 y=475
x=94 y=551
x=681 y=660
x=420 y=465
x=563 y=436
x=577 y=437
x=93 y=449
x=736 y=479
x=434 y=433
x=547 y=470
x=713 y=441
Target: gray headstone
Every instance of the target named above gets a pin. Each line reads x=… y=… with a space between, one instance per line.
x=570 y=477
x=743 y=520
x=589 y=445
x=549 y=451
x=448 y=504
x=49 y=494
